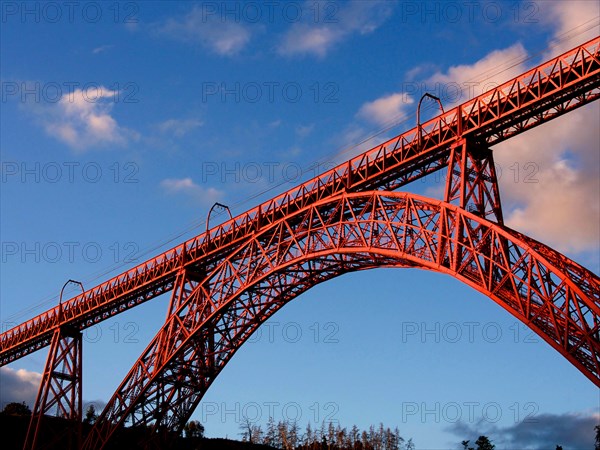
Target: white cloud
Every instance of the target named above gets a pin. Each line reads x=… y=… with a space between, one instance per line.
x=571 y=430
x=101 y=49
x=22 y=385
x=82 y=119
x=456 y=85
x=303 y=131
x=178 y=184
x=561 y=206
x=474 y=79
x=576 y=21
x=384 y=109
x=224 y=37
x=205 y=196
x=303 y=38
x=351 y=141
x=179 y=127
x=319 y=37
x=18 y=386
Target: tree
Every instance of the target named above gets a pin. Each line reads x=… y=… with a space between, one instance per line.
x=194 y=429
x=16 y=409
x=559 y=447
x=465 y=445
x=270 y=433
x=399 y=439
x=257 y=434
x=90 y=415
x=483 y=443
x=354 y=436
x=597 y=446
x=308 y=436
x=294 y=432
x=282 y=436
x=364 y=439
x=330 y=435
x=246 y=427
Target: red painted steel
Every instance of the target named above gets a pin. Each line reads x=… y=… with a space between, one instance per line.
x=60 y=391
x=227 y=281
x=59 y=394
x=333 y=236
x=540 y=94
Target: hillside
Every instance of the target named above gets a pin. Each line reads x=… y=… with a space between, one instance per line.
x=18 y=424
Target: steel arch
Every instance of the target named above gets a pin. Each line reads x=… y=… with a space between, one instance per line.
x=553 y=88
x=221 y=308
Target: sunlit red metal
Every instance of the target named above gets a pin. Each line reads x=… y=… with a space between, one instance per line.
x=227 y=281
x=333 y=236
x=59 y=394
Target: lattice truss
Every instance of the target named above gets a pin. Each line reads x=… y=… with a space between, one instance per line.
x=346 y=233
x=224 y=283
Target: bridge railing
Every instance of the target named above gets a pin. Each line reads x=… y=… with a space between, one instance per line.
x=571 y=77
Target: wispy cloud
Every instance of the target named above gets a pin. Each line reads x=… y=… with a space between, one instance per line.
x=540 y=432
x=82 y=119
x=549 y=174
x=317 y=38
x=223 y=37
x=186 y=186
x=549 y=179
x=303 y=131
x=463 y=81
x=493 y=69
x=22 y=385
x=18 y=386
x=575 y=22
x=102 y=49
x=353 y=140
x=179 y=127
x=386 y=108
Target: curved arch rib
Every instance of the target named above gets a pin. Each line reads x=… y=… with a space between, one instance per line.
x=554 y=296
x=539 y=95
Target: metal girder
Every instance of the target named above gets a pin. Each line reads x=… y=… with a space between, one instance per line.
x=540 y=94
x=59 y=395
x=353 y=231
x=472 y=183
x=227 y=281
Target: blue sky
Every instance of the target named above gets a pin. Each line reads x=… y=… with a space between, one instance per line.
x=122 y=123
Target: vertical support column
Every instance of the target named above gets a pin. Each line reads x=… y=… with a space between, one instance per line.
x=472 y=185
x=153 y=408
x=59 y=395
